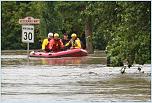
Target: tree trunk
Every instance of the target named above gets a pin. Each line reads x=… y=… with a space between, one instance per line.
x=88 y=35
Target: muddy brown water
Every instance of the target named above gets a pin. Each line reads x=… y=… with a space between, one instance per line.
x=71 y=80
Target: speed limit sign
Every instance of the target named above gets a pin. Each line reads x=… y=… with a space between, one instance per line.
x=28 y=33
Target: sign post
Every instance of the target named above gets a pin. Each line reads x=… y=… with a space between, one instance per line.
x=28 y=30
x=28 y=35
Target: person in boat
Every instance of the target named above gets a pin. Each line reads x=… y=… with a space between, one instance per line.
x=65 y=40
x=39 y=44
x=74 y=42
x=56 y=44
x=83 y=40
x=45 y=44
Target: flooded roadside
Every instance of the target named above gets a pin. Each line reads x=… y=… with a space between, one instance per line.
x=71 y=80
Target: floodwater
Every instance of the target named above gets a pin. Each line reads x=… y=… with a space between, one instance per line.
x=71 y=80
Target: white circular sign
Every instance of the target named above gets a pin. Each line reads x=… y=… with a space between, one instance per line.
x=28 y=33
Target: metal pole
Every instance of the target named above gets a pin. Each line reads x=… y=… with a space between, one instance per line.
x=28 y=49
x=28 y=53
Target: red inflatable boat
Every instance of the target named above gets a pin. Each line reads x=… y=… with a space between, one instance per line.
x=67 y=53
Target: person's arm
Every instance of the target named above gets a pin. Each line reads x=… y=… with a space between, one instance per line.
x=67 y=44
x=44 y=44
x=78 y=44
x=51 y=44
x=61 y=44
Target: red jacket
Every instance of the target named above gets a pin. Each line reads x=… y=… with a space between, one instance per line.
x=55 y=45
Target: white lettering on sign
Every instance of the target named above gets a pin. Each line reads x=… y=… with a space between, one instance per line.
x=28 y=33
x=29 y=20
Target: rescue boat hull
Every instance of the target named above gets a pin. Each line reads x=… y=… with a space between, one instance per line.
x=67 y=53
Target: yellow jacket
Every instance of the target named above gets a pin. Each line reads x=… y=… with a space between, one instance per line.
x=45 y=43
x=74 y=43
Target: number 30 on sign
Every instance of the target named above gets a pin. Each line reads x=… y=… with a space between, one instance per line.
x=28 y=33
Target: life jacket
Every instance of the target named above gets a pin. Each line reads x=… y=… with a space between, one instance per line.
x=74 y=43
x=47 y=46
x=56 y=45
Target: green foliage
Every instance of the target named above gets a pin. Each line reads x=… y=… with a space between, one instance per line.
x=122 y=28
x=131 y=38
x=11 y=30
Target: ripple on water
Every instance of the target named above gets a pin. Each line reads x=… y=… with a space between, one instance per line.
x=50 y=80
